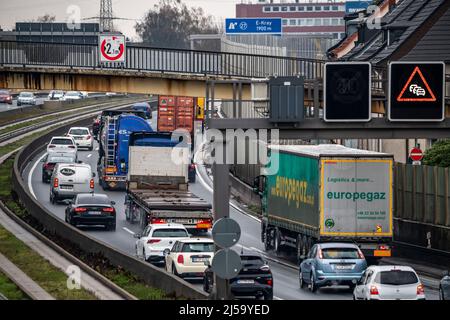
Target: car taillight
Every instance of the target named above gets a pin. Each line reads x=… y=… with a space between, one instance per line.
x=383 y=247
x=108 y=210
x=374 y=291
x=88 y=137
x=204 y=224
x=180 y=259
x=320 y=254
x=156 y=221
x=91 y=184
x=51 y=146
x=55 y=183
x=80 y=209
x=420 y=289
x=361 y=255
x=270 y=282
x=153 y=241
x=192 y=166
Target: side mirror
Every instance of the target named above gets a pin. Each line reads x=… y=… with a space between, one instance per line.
x=137 y=235
x=113 y=203
x=166 y=252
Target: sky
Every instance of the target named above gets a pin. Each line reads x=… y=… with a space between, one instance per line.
x=26 y=10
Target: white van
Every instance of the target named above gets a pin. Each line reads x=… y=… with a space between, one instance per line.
x=69 y=179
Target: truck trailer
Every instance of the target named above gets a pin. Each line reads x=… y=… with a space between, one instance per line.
x=157 y=184
x=327 y=193
x=112 y=166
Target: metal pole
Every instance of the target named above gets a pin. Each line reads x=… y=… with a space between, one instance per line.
x=221 y=208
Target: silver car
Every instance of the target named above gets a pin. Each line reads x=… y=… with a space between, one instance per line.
x=26 y=98
x=331 y=264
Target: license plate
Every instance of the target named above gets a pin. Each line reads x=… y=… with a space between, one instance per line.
x=382 y=253
x=246 y=281
x=95 y=212
x=199 y=259
x=66 y=187
x=343 y=267
x=78 y=138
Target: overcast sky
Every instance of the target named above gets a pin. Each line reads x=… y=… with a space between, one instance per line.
x=25 y=10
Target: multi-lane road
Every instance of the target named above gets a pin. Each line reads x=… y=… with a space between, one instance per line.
x=284 y=272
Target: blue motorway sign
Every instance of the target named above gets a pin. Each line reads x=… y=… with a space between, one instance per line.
x=253 y=25
x=356 y=6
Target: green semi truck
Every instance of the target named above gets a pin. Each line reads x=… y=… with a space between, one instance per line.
x=326 y=193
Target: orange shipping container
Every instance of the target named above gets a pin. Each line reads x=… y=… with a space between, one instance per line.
x=166 y=114
x=175 y=113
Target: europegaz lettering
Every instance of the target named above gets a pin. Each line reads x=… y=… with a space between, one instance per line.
x=368 y=196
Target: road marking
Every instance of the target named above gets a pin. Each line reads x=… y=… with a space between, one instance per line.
x=30 y=175
x=96 y=149
x=128 y=230
x=277 y=298
x=89 y=155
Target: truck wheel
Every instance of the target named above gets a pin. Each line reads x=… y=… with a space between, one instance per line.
x=299 y=244
x=267 y=240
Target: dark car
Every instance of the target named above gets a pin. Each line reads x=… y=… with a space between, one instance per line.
x=143 y=106
x=444 y=287
x=89 y=209
x=254 y=280
x=192 y=172
x=96 y=126
x=49 y=162
x=5 y=97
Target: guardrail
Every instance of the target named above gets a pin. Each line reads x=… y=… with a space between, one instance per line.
x=151 y=275
x=144 y=58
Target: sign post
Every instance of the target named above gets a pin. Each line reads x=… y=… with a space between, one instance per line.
x=112 y=49
x=253 y=26
x=416 y=91
x=347 y=92
x=416 y=155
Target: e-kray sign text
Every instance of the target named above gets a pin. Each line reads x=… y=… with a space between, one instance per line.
x=253 y=25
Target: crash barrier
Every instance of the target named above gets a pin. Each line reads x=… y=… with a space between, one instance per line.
x=151 y=275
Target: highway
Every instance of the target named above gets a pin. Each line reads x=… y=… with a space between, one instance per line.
x=6 y=107
x=284 y=273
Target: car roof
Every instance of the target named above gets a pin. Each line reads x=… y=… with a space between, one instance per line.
x=62 y=137
x=194 y=240
x=337 y=245
x=79 y=128
x=391 y=268
x=97 y=195
x=168 y=226
x=74 y=165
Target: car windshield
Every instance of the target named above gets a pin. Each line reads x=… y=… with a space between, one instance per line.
x=198 y=247
x=170 y=233
x=62 y=141
x=396 y=277
x=252 y=261
x=340 y=253
x=72 y=94
x=79 y=132
x=93 y=199
x=25 y=94
x=61 y=159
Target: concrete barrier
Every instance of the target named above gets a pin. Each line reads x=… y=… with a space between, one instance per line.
x=150 y=274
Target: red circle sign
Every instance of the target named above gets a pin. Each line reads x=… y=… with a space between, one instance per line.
x=110 y=57
x=416 y=154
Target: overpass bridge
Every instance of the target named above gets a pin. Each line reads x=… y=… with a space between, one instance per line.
x=46 y=66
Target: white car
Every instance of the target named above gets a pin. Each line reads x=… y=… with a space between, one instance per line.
x=82 y=136
x=73 y=95
x=62 y=145
x=188 y=256
x=389 y=283
x=26 y=98
x=156 y=238
x=70 y=179
x=55 y=95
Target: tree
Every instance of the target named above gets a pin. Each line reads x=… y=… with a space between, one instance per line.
x=438 y=154
x=46 y=18
x=171 y=22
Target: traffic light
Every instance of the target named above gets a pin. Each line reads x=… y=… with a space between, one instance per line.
x=347 y=92
x=416 y=91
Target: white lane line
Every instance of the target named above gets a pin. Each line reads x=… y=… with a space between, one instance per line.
x=277 y=298
x=30 y=175
x=128 y=230
x=96 y=149
x=89 y=155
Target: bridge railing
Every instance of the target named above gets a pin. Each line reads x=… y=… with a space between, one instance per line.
x=144 y=58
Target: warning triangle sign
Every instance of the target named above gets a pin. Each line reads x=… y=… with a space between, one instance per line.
x=416 y=89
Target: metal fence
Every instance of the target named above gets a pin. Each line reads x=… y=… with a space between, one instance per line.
x=422 y=194
x=142 y=58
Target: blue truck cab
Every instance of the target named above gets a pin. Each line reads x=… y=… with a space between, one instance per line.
x=113 y=163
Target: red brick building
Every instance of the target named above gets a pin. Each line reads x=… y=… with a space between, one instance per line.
x=299 y=16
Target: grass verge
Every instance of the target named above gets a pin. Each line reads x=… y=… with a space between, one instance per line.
x=10 y=290
x=119 y=276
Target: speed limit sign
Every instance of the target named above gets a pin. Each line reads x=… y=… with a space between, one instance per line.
x=112 y=48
